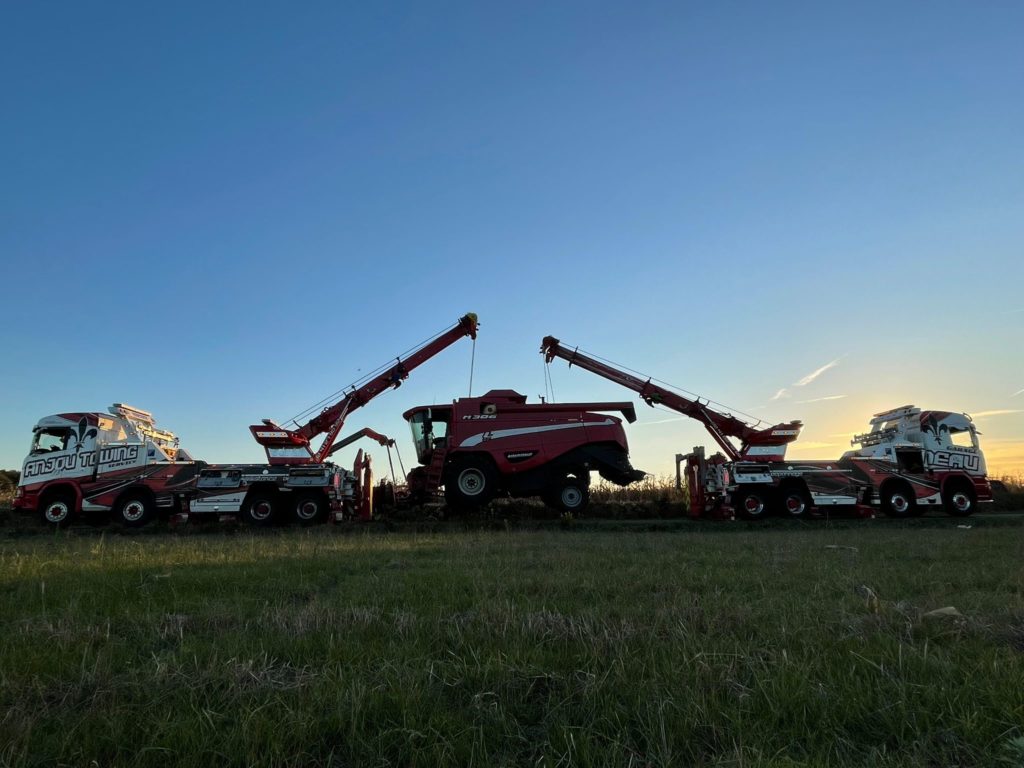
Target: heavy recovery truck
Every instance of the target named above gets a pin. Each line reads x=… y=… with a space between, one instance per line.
x=910 y=461
x=119 y=463
x=498 y=444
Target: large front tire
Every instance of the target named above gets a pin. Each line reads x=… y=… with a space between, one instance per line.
x=470 y=485
x=959 y=500
x=57 y=508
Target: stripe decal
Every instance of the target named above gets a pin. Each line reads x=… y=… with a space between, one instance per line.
x=498 y=434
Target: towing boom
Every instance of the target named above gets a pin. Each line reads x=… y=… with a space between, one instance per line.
x=766 y=443
x=292 y=446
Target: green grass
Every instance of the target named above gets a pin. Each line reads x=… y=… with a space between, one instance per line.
x=702 y=644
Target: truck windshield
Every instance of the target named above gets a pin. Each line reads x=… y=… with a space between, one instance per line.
x=47 y=440
x=429 y=429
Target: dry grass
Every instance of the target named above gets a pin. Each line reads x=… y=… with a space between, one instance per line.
x=700 y=645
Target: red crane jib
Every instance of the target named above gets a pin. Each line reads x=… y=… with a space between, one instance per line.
x=755 y=443
x=292 y=446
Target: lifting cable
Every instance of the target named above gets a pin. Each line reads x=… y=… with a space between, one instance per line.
x=472 y=365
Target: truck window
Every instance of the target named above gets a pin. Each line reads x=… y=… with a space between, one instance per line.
x=910 y=460
x=963 y=438
x=47 y=440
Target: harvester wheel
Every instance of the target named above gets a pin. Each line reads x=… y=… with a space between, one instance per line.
x=569 y=495
x=470 y=484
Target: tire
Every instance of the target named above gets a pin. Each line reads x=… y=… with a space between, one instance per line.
x=134 y=510
x=795 y=503
x=569 y=495
x=751 y=504
x=898 y=500
x=309 y=509
x=57 y=509
x=959 y=500
x=470 y=485
x=261 y=509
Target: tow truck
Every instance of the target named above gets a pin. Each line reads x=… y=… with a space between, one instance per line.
x=298 y=481
x=116 y=462
x=911 y=460
x=119 y=463
x=480 y=447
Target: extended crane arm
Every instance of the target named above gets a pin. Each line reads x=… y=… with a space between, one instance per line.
x=287 y=446
x=754 y=442
x=384 y=440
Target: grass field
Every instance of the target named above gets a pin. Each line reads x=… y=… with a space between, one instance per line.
x=695 y=645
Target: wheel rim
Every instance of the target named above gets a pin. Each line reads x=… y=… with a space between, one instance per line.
x=307 y=510
x=795 y=505
x=899 y=502
x=471 y=482
x=57 y=512
x=261 y=510
x=752 y=505
x=961 y=501
x=571 y=496
x=133 y=511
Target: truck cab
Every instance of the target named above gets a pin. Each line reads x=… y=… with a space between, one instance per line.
x=90 y=462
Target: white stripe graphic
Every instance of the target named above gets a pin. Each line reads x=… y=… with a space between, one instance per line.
x=498 y=434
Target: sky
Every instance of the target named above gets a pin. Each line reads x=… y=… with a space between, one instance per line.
x=222 y=212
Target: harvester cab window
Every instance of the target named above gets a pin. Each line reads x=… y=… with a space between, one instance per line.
x=429 y=431
x=47 y=440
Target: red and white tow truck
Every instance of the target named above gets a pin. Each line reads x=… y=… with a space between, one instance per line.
x=910 y=461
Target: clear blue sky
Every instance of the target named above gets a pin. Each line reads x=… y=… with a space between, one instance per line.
x=223 y=212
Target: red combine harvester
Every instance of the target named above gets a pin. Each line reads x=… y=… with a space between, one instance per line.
x=480 y=447
x=911 y=459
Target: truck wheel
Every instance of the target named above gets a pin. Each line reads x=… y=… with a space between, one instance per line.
x=795 y=503
x=260 y=510
x=750 y=504
x=310 y=510
x=134 y=510
x=568 y=496
x=57 y=509
x=469 y=485
x=898 y=501
x=959 y=500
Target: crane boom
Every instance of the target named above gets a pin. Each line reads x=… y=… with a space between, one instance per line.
x=755 y=443
x=292 y=446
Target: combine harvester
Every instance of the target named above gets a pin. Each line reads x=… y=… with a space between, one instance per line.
x=498 y=444
x=119 y=464
x=910 y=461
